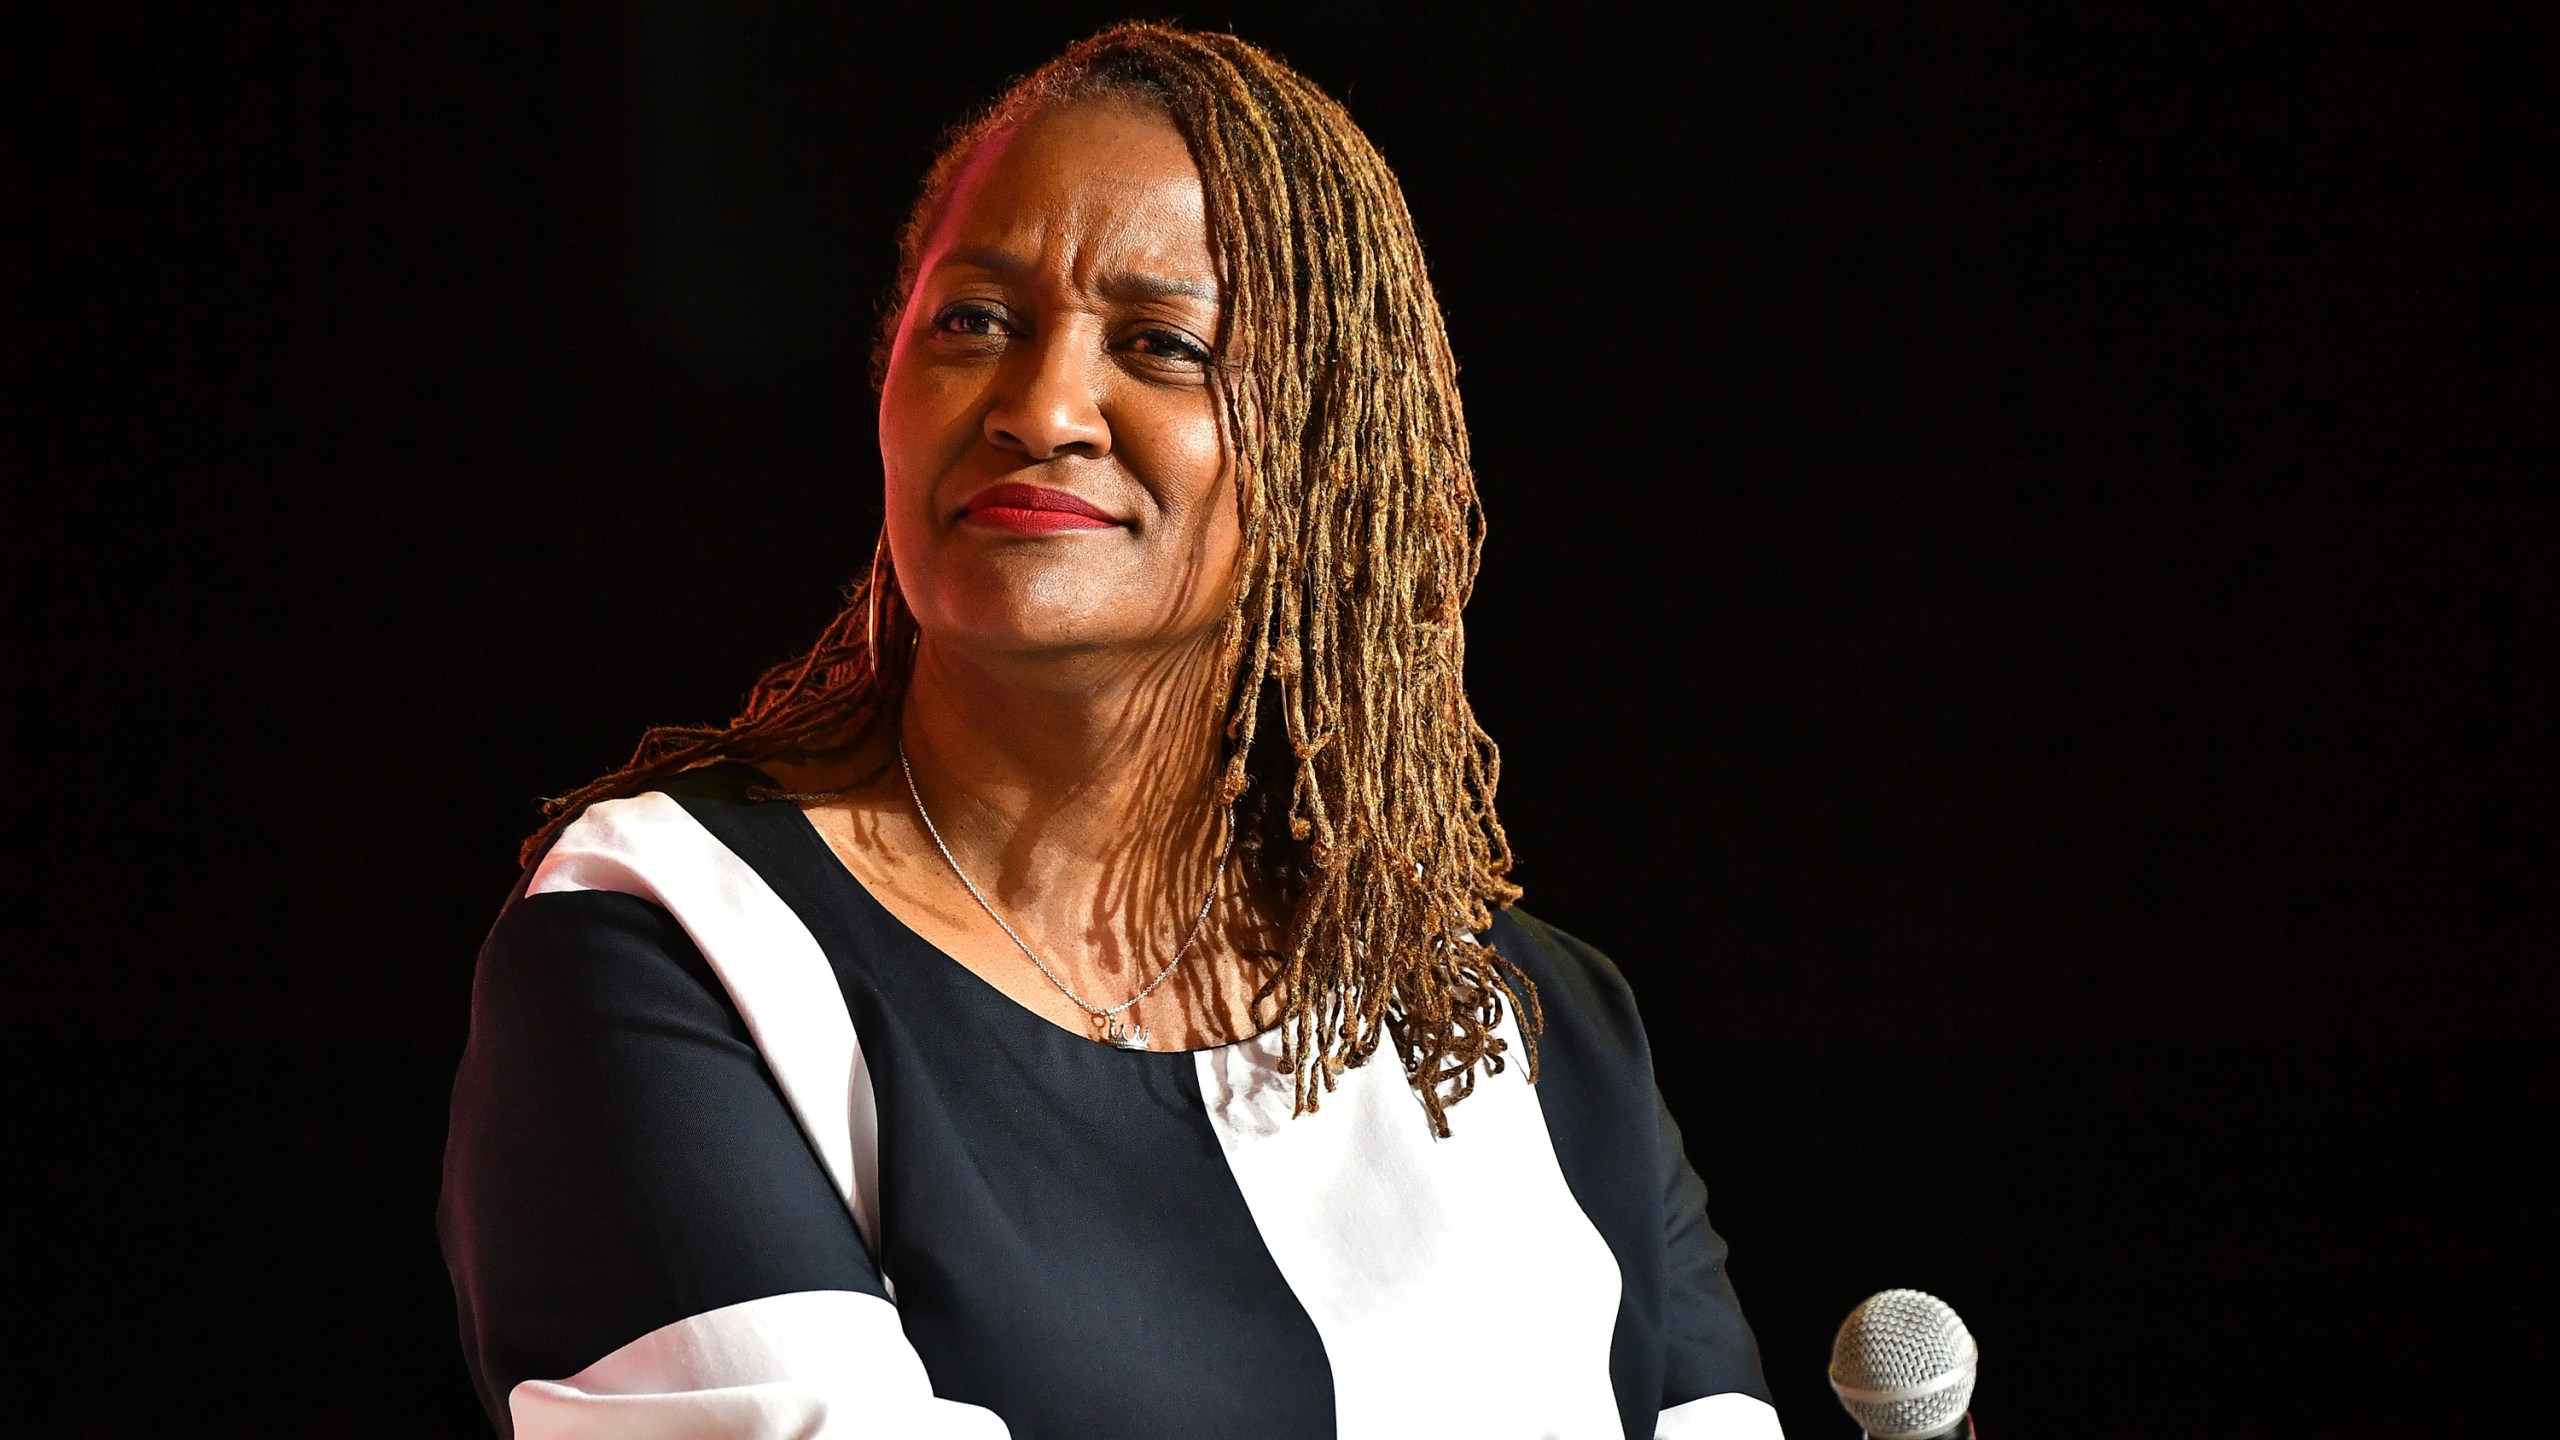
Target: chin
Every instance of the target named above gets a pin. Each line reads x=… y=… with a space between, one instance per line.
x=999 y=623
x=1017 y=600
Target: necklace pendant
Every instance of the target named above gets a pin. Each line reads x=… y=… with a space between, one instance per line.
x=1125 y=1037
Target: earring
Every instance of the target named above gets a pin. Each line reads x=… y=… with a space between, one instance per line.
x=871 y=596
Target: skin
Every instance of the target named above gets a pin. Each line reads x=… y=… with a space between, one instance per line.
x=1063 y=723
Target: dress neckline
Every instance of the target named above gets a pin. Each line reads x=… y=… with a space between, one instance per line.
x=805 y=831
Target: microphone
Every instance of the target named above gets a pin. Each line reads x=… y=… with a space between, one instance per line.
x=1903 y=1367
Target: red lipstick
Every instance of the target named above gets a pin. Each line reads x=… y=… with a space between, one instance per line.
x=1034 y=510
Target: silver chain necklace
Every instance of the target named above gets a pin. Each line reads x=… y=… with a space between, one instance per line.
x=1114 y=1030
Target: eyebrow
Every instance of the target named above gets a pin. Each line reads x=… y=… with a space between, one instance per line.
x=1125 y=286
x=1131 y=285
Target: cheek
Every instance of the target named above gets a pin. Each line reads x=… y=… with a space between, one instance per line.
x=1196 y=473
x=924 y=419
x=1182 y=451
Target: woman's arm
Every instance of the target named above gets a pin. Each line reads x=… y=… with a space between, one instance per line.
x=1684 y=1361
x=642 y=1241
x=1708 y=1350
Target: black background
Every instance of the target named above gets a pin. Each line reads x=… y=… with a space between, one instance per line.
x=2020 y=609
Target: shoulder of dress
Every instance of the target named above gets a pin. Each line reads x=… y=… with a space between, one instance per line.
x=1587 y=1003
x=558 y=963
x=711 y=818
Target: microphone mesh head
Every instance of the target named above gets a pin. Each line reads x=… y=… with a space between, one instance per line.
x=1904 y=1366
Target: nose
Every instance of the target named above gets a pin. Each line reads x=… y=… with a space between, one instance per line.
x=1046 y=404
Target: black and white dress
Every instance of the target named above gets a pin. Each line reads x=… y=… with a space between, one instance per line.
x=735 y=1153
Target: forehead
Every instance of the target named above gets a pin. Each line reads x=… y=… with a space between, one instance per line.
x=1096 y=181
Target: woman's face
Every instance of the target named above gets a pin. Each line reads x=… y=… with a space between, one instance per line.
x=1057 y=479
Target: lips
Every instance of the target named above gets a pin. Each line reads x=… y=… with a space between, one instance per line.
x=1034 y=510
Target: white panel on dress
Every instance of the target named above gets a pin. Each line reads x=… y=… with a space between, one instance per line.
x=1463 y=1261
x=773 y=968
x=1719 y=1417
x=818 y=1365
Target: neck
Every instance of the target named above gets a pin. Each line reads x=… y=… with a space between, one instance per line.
x=1080 y=790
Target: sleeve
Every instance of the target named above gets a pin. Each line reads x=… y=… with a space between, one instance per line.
x=1708 y=1349
x=642 y=1242
x=1683 y=1359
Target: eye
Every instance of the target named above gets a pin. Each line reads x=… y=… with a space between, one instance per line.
x=1169 y=345
x=967 y=317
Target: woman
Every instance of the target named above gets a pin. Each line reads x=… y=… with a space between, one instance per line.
x=1079 y=997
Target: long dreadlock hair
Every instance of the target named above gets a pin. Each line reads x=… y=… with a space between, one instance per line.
x=1370 y=811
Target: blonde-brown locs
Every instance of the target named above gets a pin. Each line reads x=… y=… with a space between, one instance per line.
x=1363 y=786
